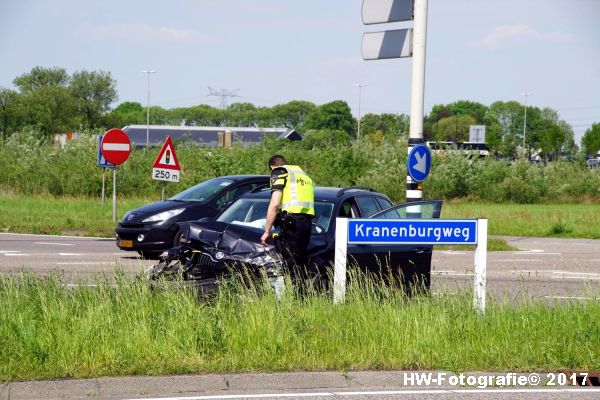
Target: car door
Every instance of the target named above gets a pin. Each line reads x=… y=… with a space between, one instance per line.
x=405 y=264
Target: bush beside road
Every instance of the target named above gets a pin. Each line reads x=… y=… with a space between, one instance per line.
x=30 y=166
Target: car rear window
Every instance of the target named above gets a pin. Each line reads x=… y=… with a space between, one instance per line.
x=367 y=205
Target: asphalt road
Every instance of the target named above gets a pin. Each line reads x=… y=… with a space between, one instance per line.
x=548 y=268
x=295 y=385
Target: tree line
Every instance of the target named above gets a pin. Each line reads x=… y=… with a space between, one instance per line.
x=49 y=100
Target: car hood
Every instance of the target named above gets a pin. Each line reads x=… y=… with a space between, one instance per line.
x=134 y=216
x=235 y=240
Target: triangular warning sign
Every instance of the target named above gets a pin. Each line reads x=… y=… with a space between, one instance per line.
x=166 y=157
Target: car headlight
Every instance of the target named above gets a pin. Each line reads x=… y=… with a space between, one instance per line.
x=164 y=215
x=272 y=262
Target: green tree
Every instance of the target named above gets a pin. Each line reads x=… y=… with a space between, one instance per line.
x=472 y=108
x=48 y=104
x=94 y=92
x=40 y=77
x=387 y=126
x=51 y=109
x=454 y=128
x=335 y=115
x=591 y=140
x=127 y=113
x=293 y=114
x=10 y=112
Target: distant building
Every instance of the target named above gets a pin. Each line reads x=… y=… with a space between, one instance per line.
x=209 y=136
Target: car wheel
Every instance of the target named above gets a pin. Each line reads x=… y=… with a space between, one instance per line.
x=178 y=239
x=150 y=255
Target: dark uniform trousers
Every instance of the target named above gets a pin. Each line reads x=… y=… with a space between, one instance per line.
x=292 y=242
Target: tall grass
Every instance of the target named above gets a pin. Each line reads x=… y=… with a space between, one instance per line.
x=49 y=331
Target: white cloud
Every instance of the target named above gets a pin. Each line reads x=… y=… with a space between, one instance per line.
x=519 y=33
x=137 y=32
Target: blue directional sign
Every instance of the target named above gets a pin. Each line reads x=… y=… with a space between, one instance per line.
x=412 y=231
x=418 y=163
x=101 y=160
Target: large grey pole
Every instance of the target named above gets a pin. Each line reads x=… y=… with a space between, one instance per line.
x=414 y=190
x=148 y=72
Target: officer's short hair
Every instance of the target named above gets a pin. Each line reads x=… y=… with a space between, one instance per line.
x=277 y=161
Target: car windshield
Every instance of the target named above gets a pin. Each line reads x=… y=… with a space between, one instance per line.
x=253 y=213
x=203 y=190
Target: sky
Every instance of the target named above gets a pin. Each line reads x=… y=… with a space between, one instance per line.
x=274 y=51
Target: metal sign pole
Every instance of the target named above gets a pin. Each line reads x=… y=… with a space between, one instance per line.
x=339 y=269
x=103 y=183
x=162 y=196
x=114 y=210
x=480 y=266
x=414 y=190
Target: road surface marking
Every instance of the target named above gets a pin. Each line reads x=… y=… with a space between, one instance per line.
x=8 y=251
x=373 y=393
x=16 y=254
x=577 y=277
x=576 y=273
x=571 y=297
x=87 y=263
x=71 y=254
x=55 y=244
x=451 y=252
x=536 y=252
x=57 y=236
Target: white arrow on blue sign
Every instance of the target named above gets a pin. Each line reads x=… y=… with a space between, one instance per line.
x=418 y=162
x=412 y=231
x=101 y=160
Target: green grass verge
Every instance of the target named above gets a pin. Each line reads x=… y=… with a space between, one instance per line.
x=539 y=220
x=85 y=216
x=62 y=215
x=49 y=331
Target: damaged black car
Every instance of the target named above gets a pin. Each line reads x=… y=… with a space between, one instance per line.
x=212 y=250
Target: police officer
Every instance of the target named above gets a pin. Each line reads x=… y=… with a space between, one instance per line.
x=292 y=208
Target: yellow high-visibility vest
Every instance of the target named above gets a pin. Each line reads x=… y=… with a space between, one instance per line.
x=298 y=195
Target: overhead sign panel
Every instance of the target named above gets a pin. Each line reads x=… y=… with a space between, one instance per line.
x=412 y=231
x=382 y=11
x=387 y=44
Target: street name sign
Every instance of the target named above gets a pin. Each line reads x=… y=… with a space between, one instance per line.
x=115 y=146
x=412 y=231
x=387 y=44
x=383 y=11
x=166 y=166
x=418 y=162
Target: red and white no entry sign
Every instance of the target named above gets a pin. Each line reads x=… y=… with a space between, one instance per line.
x=115 y=146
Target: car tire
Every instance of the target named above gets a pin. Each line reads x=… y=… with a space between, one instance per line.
x=150 y=255
x=177 y=239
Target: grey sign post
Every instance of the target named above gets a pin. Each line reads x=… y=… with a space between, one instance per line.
x=397 y=44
